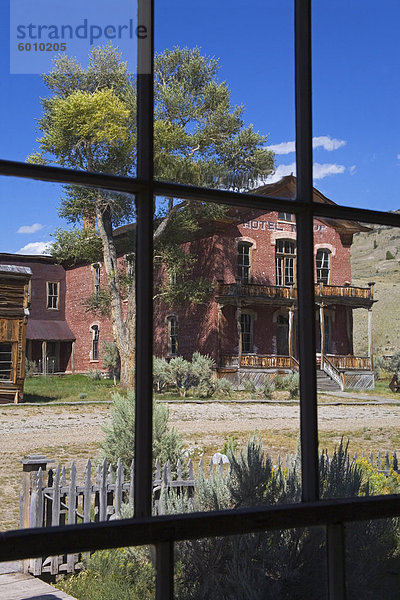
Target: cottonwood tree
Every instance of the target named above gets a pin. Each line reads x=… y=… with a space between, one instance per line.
x=89 y=123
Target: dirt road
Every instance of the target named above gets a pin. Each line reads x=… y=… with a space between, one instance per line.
x=67 y=433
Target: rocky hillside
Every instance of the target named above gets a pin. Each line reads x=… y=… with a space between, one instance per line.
x=375 y=256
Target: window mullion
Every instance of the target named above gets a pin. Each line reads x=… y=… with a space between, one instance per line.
x=144 y=265
x=305 y=263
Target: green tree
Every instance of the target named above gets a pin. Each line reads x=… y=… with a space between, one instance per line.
x=89 y=123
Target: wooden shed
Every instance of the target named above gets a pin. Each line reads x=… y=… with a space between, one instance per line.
x=14 y=298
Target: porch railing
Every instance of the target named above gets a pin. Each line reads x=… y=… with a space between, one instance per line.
x=343 y=362
x=271 y=361
x=331 y=370
x=256 y=290
x=260 y=361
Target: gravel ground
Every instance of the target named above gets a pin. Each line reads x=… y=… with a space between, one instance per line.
x=67 y=433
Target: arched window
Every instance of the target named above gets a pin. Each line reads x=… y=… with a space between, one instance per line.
x=244 y=261
x=172 y=335
x=95 y=341
x=285 y=254
x=96 y=278
x=323 y=265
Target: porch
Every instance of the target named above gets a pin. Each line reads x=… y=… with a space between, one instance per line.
x=345 y=371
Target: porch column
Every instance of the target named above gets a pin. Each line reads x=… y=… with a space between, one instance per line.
x=370 y=336
x=322 y=329
x=290 y=345
x=219 y=332
x=73 y=357
x=239 y=331
x=44 y=355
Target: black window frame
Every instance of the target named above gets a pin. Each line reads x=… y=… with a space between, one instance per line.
x=163 y=531
x=244 y=256
x=172 y=322
x=323 y=273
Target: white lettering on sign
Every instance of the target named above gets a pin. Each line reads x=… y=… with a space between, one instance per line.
x=273 y=226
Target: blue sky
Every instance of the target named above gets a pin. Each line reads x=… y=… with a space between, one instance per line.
x=356 y=96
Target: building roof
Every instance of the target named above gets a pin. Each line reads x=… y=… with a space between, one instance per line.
x=286 y=188
x=15 y=270
x=56 y=331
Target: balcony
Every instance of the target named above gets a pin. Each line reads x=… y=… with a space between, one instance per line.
x=271 y=361
x=357 y=297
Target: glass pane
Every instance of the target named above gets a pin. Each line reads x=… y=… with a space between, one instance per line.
x=278 y=564
x=208 y=124
x=226 y=352
x=357 y=354
x=372 y=561
x=117 y=573
x=58 y=350
x=353 y=84
x=71 y=97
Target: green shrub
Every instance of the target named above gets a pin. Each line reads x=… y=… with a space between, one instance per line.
x=119 y=441
x=269 y=388
x=389 y=255
x=181 y=374
x=94 y=374
x=31 y=367
x=291 y=383
x=120 y=574
x=249 y=386
x=279 y=382
x=270 y=564
x=223 y=386
x=111 y=360
x=82 y=396
x=162 y=375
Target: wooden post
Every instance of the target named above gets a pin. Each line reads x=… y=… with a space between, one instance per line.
x=239 y=330
x=44 y=356
x=219 y=334
x=322 y=330
x=290 y=345
x=73 y=358
x=30 y=467
x=370 y=336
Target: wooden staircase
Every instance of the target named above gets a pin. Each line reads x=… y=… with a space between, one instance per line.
x=325 y=383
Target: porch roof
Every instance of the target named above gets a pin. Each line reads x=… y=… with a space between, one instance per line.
x=40 y=329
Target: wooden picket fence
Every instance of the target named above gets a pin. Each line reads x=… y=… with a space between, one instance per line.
x=62 y=501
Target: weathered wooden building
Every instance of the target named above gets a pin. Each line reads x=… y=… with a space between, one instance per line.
x=14 y=290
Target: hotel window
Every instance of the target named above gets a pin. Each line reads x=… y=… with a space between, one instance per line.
x=244 y=262
x=53 y=294
x=96 y=278
x=172 y=335
x=95 y=342
x=285 y=216
x=285 y=254
x=246 y=329
x=323 y=266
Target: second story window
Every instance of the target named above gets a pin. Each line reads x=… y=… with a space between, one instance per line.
x=96 y=278
x=53 y=295
x=172 y=335
x=323 y=266
x=244 y=262
x=284 y=216
x=285 y=254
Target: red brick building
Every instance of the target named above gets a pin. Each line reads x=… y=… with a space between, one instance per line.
x=248 y=326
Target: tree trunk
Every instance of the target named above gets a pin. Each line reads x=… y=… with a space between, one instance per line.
x=123 y=331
